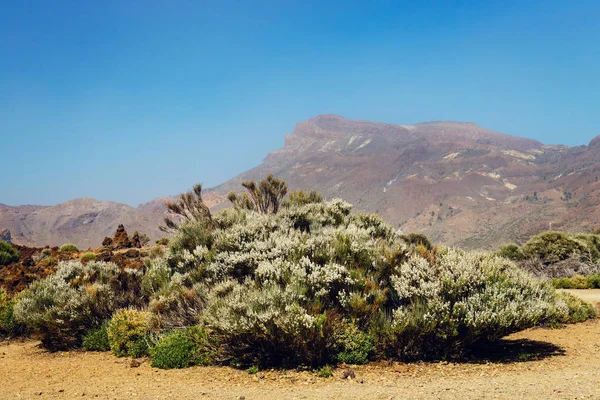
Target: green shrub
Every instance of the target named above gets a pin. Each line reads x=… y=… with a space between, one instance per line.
x=577 y=310
x=593 y=280
x=353 y=345
x=128 y=332
x=552 y=247
x=253 y=370
x=47 y=252
x=62 y=307
x=182 y=348
x=7 y=322
x=97 y=339
x=87 y=257
x=51 y=261
x=174 y=350
x=511 y=251
x=325 y=372
x=68 y=248
x=562 y=283
x=8 y=254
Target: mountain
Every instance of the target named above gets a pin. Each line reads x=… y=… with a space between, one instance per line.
x=84 y=222
x=459 y=183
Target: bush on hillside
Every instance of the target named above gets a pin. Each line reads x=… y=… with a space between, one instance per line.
x=552 y=247
x=8 y=254
x=68 y=248
x=63 y=306
x=87 y=257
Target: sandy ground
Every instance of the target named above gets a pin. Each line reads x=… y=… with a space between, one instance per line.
x=534 y=364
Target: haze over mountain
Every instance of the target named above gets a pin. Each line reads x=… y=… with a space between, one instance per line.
x=459 y=183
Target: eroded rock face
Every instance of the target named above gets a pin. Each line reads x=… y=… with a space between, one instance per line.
x=5 y=235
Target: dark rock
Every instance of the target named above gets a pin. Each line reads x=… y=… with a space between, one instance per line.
x=107 y=242
x=135 y=240
x=132 y=253
x=121 y=239
x=349 y=373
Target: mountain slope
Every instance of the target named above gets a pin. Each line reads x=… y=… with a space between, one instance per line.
x=459 y=183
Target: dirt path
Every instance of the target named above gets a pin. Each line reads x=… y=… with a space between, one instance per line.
x=591 y=295
x=538 y=363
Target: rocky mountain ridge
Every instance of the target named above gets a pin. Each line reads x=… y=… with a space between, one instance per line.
x=459 y=183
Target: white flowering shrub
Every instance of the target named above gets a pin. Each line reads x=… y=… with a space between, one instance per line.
x=462 y=298
x=63 y=306
x=315 y=283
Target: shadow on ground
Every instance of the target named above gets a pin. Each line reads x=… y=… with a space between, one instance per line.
x=510 y=351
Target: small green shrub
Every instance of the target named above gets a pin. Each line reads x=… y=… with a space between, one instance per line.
x=87 y=257
x=253 y=370
x=325 y=372
x=8 y=254
x=51 y=261
x=578 y=310
x=552 y=247
x=511 y=251
x=128 y=332
x=593 y=280
x=68 y=248
x=173 y=350
x=7 y=321
x=47 y=252
x=562 y=283
x=353 y=345
x=97 y=339
x=182 y=348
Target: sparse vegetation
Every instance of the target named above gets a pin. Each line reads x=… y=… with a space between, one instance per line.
x=8 y=254
x=87 y=257
x=325 y=372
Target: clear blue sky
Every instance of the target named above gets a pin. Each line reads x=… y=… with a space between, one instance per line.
x=131 y=100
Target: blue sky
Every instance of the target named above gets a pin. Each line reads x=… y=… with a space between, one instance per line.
x=131 y=100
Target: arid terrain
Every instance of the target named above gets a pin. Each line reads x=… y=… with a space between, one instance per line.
x=538 y=363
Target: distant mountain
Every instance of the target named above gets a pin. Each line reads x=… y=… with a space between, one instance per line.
x=458 y=183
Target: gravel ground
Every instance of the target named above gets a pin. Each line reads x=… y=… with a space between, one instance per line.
x=537 y=363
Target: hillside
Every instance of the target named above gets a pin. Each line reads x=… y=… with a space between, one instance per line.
x=459 y=183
